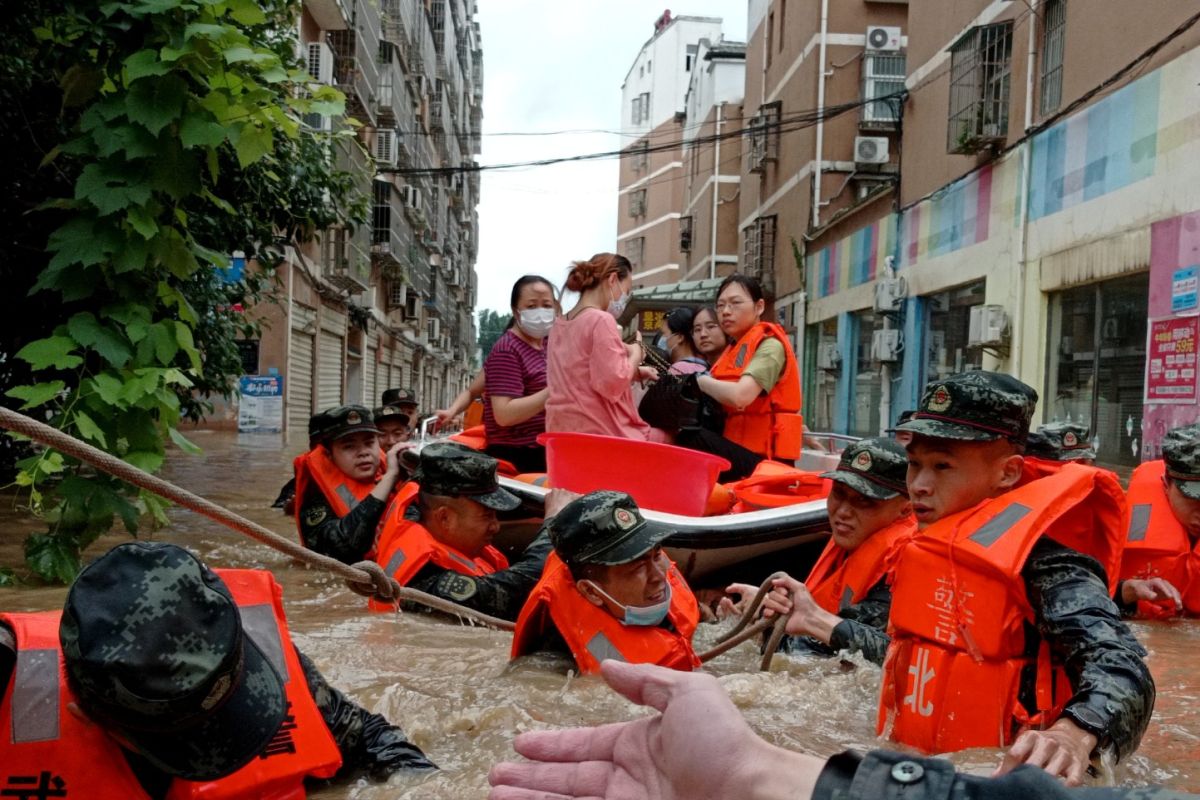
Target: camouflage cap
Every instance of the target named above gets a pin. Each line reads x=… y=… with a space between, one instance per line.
x=876 y=468
x=602 y=528
x=1060 y=441
x=154 y=649
x=974 y=406
x=391 y=413
x=1181 y=451
x=398 y=397
x=453 y=470
x=334 y=423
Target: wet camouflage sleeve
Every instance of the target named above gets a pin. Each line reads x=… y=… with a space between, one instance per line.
x=345 y=538
x=501 y=594
x=887 y=775
x=368 y=742
x=1114 y=693
x=870 y=612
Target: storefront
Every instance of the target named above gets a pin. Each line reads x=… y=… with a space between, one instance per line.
x=948 y=316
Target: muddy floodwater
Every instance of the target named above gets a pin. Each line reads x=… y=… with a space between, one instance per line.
x=451 y=689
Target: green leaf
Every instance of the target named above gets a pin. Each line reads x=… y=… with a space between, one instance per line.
x=200 y=130
x=206 y=31
x=173 y=252
x=156 y=102
x=109 y=388
x=104 y=340
x=147 y=460
x=132 y=256
x=52 y=558
x=162 y=338
x=38 y=394
x=132 y=140
x=88 y=429
x=104 y=186
x=183 y=335
x=127 y=313
x=184 y=443
x=252 y=144
x=247 y=12
x=142 y=221
x=153 y=7
x=80 y=84
x=53 y=351
x=144 y=63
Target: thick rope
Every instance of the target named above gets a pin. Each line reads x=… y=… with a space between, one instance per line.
x=360 y=578
x=741 y=633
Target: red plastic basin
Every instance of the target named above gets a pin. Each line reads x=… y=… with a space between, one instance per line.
x=658 y=476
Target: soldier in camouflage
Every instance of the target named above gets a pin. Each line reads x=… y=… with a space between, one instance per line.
x=158 y=654
x=1061 y=441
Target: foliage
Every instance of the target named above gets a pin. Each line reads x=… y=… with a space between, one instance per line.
x=491 y=327
x=145 y=139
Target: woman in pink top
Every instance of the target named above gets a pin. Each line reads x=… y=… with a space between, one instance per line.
x=588 y=368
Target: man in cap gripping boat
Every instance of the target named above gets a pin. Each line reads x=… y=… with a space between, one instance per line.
x=609 y=591
x=394 y=425
x=165 y=679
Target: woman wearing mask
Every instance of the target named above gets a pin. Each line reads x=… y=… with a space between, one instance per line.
x=589 y=368
x=709 y=339
x=515 y=378
x=675 y=337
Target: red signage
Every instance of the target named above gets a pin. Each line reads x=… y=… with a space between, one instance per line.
x=1171 y=360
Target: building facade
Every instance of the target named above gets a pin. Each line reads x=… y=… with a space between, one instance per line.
x=390 y=303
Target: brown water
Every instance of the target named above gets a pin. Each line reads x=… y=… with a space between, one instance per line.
x=451 y=689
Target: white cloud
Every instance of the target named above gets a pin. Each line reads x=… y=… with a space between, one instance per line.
x=557 y=66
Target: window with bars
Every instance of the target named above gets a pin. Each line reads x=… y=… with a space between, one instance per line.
x=1054 y=38
x=637 y=203
x=641 y=156
x=883 y=76
x=758 y=254
x=685 y=234
x=764 y=136
x=980 y=77
x=635 y=251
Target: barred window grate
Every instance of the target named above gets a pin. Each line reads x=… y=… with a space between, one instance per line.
x=1054 y=37
x=980 y=78
x=883 y=76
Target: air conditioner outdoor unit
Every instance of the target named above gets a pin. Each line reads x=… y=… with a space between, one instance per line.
x=317 y=122
x=883 y=38
x=385 y=147
x=320 y=62
x=886 y=345
x=828 y=356
x=890 y=294
x=870 y=150
x=988 y=326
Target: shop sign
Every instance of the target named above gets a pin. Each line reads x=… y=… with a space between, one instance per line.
x=651 y=319
x=1183 y=288
x=1171 y=360
x=260 y=409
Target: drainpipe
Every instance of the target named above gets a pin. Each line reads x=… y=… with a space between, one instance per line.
x=816 y=200
x=712 y=247
x=1022 y=232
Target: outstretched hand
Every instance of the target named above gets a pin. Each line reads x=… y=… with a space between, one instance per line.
x=1063 y=750
x=698 y=747
x=805 y=617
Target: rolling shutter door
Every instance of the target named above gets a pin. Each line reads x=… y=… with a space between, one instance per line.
x=329 y=370
x=370 y=395
x=299 y=383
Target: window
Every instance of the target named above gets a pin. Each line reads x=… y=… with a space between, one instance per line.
x=770 y=36
x=883 y=75
x=758 y=254
x=637 y=203
x=1096 y=364
x=868 y=386
x=397 y=296
x=690 y=58
x=635 y=111
x=824 y=395
x=248 y=353
x=648 y=65
x=949 y=315
x=642 y=71
x=645 y=107
x=980 y=73
x=635 y=250
x=1054 y=35
x=782 y=22
x=764 y=136
x=685 y=234
x=641 y=156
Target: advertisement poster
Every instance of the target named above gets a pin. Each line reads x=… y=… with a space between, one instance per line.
x=261 y=406
x=1171 y=360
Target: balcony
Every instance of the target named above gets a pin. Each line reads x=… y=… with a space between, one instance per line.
x=346 y=264
x=330 y=15
x=391 y=236
x=356 y=65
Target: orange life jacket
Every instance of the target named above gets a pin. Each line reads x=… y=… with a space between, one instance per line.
x=952 y=674
x=840 y=579
x=771 y=425
x=42 y=740
x=593 y=634
x=405 y=546
x=341 y=491
x=772 y=485
x=1157 y=545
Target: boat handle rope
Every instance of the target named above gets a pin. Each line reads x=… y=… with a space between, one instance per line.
x=743 y=630
x=366 y=577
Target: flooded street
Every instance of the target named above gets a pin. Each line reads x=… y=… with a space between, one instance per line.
x=450 y=687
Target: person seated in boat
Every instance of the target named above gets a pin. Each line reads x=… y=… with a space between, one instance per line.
x=163 y=678
x=1160 y=569
x=609 y=591
x=406 y=399
x=343 y=483
x=393 y=424
x=675 y=339
x=756 y=380
x=870 y=521
x=708 y=338
x=1061 y=442
x=437 y=534
x=589 y=369
x=1002 y=632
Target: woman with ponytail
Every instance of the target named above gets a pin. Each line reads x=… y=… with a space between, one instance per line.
x=588 y=367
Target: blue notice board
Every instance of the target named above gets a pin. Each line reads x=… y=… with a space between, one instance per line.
x=1183 y=288
x=260 y=409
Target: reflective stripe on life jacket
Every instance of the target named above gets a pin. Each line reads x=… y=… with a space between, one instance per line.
x=770 y=425
x=341 y=491
x=952 y=674
x=41 y=735
x=592 y=634
x=405 y=546
x=1157 y=545
x=840 y=579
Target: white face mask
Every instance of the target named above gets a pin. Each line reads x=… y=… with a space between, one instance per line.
x=617 y=307
x=536 y=322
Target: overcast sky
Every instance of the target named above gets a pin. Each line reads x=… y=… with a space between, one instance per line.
x=551 y=65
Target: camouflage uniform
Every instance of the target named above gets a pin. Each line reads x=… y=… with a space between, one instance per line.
x=153 y=643
x=451 y=470
x=347 y=538
x=1181 y=452
x=888 y=775
x=880 y=474
x=1068 y=591
x=1060 y=441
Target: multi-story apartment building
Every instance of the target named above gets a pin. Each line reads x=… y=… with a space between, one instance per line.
x=652 y=169
x=389 y=303
x=1046 y=223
